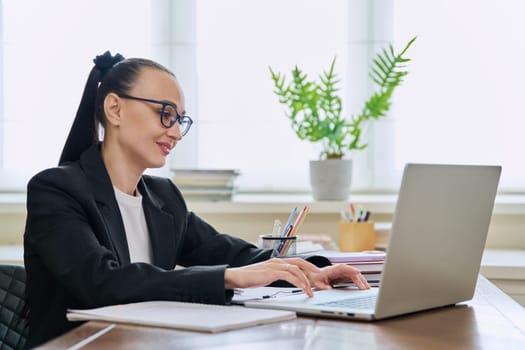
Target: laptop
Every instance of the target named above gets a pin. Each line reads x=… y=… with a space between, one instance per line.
x=434 y=252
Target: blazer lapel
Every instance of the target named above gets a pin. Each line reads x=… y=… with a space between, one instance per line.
x=117 y=233
x=102 y=189
x=160 y=227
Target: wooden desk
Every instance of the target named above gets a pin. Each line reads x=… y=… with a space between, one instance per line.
x=492 y=320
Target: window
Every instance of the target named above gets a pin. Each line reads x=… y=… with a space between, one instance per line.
x=459 y=104
x=47 y=55
x=462 y=101
x=241 y=124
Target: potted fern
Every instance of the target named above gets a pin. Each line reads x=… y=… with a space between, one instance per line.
x=316 y=113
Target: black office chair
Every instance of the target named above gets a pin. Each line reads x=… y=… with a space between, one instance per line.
x=13 y=327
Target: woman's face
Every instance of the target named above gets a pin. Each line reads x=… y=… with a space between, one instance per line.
x=141 y=137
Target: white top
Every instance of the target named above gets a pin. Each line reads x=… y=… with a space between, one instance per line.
x=135 y=226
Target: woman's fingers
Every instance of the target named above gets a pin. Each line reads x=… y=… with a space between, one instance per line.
x=296 y=276
x=288 y=270
x=331 y=275
x=266 y=272
x=360 y=281
x=301 y=263
x=298 y=272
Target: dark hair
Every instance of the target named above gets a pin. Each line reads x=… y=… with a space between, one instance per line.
x=110 y=74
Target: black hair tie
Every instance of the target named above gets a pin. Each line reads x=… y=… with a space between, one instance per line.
x=105 y=61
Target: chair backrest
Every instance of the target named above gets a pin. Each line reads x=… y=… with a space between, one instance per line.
x=13 y=327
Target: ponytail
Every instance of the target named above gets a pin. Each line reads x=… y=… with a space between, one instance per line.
x=84 y=131
x=110 y=74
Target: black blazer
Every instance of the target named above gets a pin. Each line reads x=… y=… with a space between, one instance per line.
x=76 y=254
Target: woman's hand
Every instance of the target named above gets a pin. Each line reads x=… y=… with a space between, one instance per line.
x=330 y=275
x=296 y=271
x=292 y=270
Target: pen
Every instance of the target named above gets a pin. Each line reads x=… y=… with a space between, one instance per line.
x=365 y=214
x=352 y=210
x=289 y=222
x=279 y=245
x=299 y=220
x=359 y=213
x=274 y=295
x=296 y=225
x=285 y=229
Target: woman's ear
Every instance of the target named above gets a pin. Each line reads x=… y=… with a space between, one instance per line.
x=112 y=109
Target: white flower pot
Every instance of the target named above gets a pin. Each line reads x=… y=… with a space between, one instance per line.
x=331 y=179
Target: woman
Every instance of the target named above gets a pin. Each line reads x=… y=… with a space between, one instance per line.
x=99 y=232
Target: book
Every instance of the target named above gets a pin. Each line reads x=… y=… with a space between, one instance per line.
x=368 y=266
x=353 y=257
x=205 y=173
x=179 y=315
x=206 y=184
x=372 y=277
x=205 y=177
x=209 y=193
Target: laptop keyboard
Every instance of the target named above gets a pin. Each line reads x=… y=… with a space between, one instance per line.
x=364 y=302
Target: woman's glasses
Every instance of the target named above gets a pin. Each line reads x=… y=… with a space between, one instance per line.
x=168 y=114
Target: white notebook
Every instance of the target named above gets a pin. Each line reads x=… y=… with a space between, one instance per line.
x=186 y=316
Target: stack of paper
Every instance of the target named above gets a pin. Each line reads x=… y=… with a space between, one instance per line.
x=187 y=316
x=370 y=262
x=206 y=184
x=353 y=257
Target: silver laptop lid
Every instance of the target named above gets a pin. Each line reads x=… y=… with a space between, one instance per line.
x=438 y=235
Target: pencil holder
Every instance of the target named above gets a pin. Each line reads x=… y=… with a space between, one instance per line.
x=282 y=245
x=356 y=236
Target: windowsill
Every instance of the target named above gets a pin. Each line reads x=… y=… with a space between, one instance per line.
x=12 y=203
x=506 y=204
x=277 y=203
x=376 y=203
x=503 y=264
